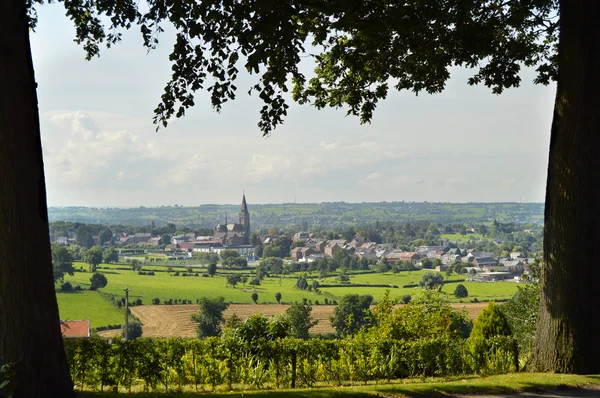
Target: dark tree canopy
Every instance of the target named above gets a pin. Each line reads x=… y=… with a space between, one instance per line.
x=210 y=317
x=365 y=48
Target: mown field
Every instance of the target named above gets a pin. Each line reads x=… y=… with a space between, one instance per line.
x=165 y=286
x=88 y=305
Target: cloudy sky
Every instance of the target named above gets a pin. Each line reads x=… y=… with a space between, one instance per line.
x=101 y=148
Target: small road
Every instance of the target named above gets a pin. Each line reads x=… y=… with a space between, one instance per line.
x=562 y=393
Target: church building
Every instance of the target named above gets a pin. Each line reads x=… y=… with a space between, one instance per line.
x=238 y=233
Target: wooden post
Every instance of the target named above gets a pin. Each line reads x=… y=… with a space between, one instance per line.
x=126 y=312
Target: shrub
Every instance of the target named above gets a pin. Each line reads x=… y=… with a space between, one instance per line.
x=66 y=287
x=406 y=298
x=134 y=330
x=156 y=301
x=278 y=297
x=254 y=297
x=98 y=280
x=461 y=291
x=431 y=280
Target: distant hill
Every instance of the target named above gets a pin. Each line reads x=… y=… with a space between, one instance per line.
x=323 y=215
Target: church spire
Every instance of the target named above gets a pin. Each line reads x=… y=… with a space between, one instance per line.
x=244 y=205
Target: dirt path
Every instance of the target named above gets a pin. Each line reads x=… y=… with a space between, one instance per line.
x=174 y=320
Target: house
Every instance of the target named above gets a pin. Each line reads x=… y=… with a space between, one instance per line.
x=141 y=237
x=317 y=244
x=368 y=253
x=187 y=246
x=332 y=248
x=154 y=241
x=516 y=255
x=482 y=262
x=172 y=247
x=75 y=329
x=296 y=254
x=411 y=257
x=300 y=236
x=394 y=255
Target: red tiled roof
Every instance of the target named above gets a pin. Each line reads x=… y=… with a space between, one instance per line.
x=70 y=329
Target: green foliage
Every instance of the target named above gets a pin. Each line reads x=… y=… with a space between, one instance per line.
x=134 y=330
x=272 y=265
x=406 y=298
x=254 y=297
x=212 y=269
x=461 y=291
x=110 y=255
x=233 y=279
x=66 y=287
x=62 y=262
x=228 y=254
x=210 y=317
x=491 y=322
x=230 y=360
x=491 y=335
x=278 y=297
x=351 y=313
x=97 y=281
x=93 y=257
x=431 y=280
x=300 y=320
x=301 y=283
x=521 y=311
x=429 y=315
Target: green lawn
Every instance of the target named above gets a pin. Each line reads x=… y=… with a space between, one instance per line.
x=482 y=291
x=88 y=304
x=497 y=385
x=464 y=238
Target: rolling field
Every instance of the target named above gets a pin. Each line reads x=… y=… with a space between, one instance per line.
x=88 y=304
x=174 y=320
x=164 y=286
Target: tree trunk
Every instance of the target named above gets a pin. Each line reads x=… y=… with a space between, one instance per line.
x=567 y=333
x=30 y=334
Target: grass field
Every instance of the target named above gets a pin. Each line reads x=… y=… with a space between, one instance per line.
x=88 y=305
x=499 y=385
x=164 y=286
x=463 y=238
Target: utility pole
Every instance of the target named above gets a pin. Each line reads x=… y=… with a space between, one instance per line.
x=126 y=312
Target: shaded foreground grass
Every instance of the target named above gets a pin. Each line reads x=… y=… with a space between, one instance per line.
x=499 y=384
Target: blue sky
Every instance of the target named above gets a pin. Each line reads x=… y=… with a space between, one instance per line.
x=101 y=148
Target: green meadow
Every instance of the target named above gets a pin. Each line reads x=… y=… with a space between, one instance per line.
x=165 y=286
x=88 y=305
x=463 y=238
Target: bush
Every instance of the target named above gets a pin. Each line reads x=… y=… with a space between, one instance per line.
x=98 y=280
x=66 y=287
x=254 y=297
x=156 y=301
x=431 y=280
x=461 y=291
x=134 y=330
x=406 y=298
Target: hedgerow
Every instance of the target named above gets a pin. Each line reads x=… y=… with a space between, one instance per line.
x=97 y=363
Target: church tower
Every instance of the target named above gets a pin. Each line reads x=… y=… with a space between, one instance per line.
x=245 y=220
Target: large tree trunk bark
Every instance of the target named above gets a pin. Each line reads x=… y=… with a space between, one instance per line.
x=568 y=331
x=30 y=334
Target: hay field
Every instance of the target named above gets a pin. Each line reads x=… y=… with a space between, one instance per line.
x=174 y=320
